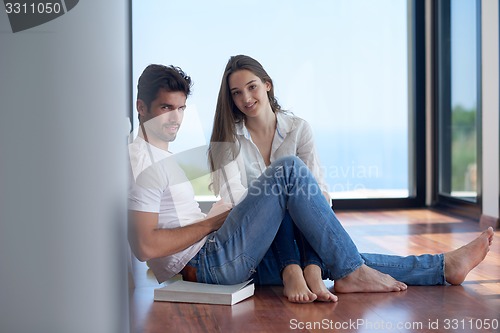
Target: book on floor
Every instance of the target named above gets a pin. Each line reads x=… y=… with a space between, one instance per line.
x=195 y=292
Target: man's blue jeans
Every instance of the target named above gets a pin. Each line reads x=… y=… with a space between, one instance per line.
x=234 y=253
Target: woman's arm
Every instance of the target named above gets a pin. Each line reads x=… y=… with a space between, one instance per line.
x=306 y=151
x=231 y=188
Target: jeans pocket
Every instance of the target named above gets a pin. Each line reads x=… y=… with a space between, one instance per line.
x=235 y=271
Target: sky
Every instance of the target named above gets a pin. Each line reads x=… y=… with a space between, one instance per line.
x=464 y=53
x=333 y=62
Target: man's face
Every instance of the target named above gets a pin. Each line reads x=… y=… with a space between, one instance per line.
x=164 y=117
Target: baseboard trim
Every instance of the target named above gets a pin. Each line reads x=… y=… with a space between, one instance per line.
x=489 y=221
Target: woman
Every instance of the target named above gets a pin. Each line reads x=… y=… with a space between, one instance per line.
x=248 y=115
x=250 y=133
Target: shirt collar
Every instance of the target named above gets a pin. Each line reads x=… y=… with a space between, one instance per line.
x=284 y=125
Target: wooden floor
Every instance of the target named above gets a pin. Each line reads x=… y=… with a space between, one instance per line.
x=471 y=307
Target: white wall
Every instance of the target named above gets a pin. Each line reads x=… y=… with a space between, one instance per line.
x=490 y=107
x=63 y=93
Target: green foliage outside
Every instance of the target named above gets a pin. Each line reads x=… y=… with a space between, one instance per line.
x=201 y=184
x=464 y=149
x=199 y=177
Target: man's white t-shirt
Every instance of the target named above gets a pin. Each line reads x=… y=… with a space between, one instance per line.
x=159 y=185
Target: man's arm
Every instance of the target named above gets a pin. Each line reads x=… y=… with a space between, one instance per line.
x=149 y=242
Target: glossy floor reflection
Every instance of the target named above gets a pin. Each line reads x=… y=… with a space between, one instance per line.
x=472 y=307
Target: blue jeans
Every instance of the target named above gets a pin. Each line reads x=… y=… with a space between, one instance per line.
x=233 y=253
x=290 y=247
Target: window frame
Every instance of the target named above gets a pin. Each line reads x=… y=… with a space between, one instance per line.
x=441 y=53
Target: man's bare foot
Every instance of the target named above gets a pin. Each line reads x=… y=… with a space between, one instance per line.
x=368 y=280
x=312 y=275
x=295 y=287
x=458 y=263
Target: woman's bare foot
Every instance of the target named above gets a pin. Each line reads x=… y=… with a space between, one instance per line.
x=458 y=263
x=368 y=280
x=312 y=275
x=295 y=287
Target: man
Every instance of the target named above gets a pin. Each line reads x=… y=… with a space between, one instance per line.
x=228 y=245
x=161 y=233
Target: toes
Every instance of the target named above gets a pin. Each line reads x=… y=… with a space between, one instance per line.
x=302 y=298
x=307 y=298
x=328 y=295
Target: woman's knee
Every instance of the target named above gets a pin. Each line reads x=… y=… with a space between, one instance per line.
x=288 y=161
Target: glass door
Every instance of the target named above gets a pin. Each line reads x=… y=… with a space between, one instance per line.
x=459 y=102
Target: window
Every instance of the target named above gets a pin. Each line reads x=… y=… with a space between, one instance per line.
x=347 y=67
x=458 y=108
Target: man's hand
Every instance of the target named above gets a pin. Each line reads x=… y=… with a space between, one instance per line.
x=216 y=221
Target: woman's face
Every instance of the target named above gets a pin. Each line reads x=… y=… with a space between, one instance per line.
x=249 y=93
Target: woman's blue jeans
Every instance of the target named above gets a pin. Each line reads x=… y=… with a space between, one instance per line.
x=290 y=247
x=235 y=252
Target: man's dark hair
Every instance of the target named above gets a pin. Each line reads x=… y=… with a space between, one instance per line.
x=156 y=77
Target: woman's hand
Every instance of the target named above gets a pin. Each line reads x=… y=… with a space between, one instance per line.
x=219 y=207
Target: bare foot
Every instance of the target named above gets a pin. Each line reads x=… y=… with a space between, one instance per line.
x=368 y=280
x=295 y=287
x=458 y=263
x=312 y=275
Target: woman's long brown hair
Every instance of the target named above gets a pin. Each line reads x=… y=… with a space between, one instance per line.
x=224 y=146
